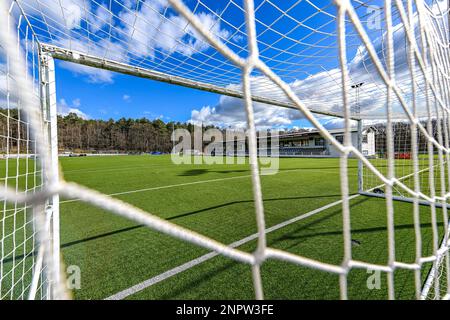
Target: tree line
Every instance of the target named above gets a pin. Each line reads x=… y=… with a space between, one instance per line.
x=402 y=136
x=76 y=134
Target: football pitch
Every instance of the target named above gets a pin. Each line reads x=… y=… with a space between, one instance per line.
x=120 y=259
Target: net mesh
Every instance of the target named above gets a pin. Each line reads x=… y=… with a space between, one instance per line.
x=403 y=155
x=297 y=40
x=21 y=171
x=302 y=54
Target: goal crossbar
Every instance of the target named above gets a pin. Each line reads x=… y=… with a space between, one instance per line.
x=123 y=68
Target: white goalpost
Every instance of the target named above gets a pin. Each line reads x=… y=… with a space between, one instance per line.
x=29 y=229
x=266 y=53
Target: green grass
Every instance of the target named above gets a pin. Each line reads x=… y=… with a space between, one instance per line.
x=114 y=253
x=404 y=170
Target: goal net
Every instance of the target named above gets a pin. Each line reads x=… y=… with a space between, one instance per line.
x=381 y=66
x=419 y=167
x=375 y=149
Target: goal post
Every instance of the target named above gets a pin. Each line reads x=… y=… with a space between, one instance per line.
x=360 y=163
x=50 y=116
x=29 y=219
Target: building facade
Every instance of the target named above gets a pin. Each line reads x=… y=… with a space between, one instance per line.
x=311 y=143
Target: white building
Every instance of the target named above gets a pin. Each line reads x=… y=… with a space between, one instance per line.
x=312 y=144
x=368 y=142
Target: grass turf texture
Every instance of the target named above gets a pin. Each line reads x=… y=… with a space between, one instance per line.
x=114 y=253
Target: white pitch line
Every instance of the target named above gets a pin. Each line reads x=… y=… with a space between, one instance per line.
x=166 y=187
x=190 y=264
x=112 y=169
x=197 y=182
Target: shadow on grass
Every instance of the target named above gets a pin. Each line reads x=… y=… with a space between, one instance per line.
x=103 y=235
x=308 y=225
x=194 y=172
x=300 y=234
x=204 y=277
x=198 y=172
x=201 y=171
x=365 y=230
x=72 y=243
x=199 y=279
x=186 y=214
x=248 y=201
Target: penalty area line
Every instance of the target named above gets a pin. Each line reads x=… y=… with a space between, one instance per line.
x=199 y=182
x=166 y=187
x=190 y=264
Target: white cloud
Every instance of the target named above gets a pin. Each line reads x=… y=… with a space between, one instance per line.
x=65 y=108
x=148 y=30
x=76 y=102
x=139 y=33
x=100 y=18
x=126 y=98
x=322 y=91
x=154 y=116
x=66 y=15
x=58 y=13
x=129 y=3
x=336 y=123
x=153 y=28
x=231 y=111
x=91 y=75
x=103 y=48
x=238 y=38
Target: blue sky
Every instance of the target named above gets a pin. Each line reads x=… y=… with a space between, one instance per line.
x=102 y=95
x=300 y=47
x=129 y=97
x=147 y=34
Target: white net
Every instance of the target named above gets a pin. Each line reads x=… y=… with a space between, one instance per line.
x=417 y=167
x=22 y=270
x=374 y=140
x=299 y=54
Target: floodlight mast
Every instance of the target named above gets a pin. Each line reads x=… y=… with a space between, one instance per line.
x=357 y=86
x=357 y=111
